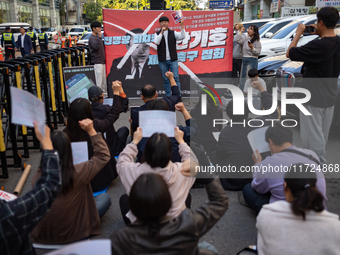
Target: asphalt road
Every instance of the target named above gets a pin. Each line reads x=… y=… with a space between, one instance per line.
x=234 y=231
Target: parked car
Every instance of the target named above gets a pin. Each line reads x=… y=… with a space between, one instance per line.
x=270 y=28
x=78 y=31
x=281 y=40
x=84 y=40
x=51 y=32
x=289 y=75
x=258 y=22
x=267 y=68
x=15 y=27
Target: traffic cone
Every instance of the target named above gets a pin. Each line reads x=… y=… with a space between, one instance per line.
x=70 y=41
x=1 y=57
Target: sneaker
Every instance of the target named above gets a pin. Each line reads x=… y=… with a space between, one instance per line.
x=241 y=199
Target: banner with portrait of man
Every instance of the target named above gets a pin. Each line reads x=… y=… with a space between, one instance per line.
x=206 y=51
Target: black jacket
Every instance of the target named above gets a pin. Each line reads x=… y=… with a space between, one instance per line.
x=233 y=148
x=100 y=111
x=161 y=48
x=178 y=235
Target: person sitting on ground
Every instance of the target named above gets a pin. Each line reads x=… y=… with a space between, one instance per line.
x=190 y=130
x=75 y=214
x=149 y=94
x=267 y=186
x=299 y=225
x=19 y=216
x=233 y=147
x=155 y=232
x=116 y=140
x=157 y=159
x=80 y=109
x=254 y=76
x=205 y=135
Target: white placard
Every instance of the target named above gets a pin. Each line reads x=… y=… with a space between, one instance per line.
x=294 y=11
x=27 y=108
x=216 y=135
x=257 y=140
x=323 y=3
x=80 y=152
x=108 y=101
x=102 y=247
x=157 y=121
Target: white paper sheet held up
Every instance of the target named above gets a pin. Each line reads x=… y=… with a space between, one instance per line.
x=102 y=247
x=216 y=135
x=108 y=101
x=27 y=108
x=157 y=121
x=257 y=140
x=80 y=152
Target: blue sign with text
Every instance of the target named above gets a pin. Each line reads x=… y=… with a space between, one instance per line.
x=221 y=4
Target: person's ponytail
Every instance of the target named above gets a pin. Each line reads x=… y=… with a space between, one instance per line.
x=308 y=199
x=302 y=185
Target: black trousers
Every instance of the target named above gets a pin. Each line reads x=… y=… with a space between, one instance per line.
x=123 y=134
x=237 y=63
x=124 y=206
x=34 y=47
x=43 y=47
x=9 y=53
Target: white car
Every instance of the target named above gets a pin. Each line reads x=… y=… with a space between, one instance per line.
x=51 y=32
x=84 y=40
x=281 y=40
x=78 y=31
x=258 y=22
x=270 y=28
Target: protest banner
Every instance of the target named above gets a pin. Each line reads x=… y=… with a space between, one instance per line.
x=206 y=51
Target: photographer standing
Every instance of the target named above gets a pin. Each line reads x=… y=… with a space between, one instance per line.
x=321 y=59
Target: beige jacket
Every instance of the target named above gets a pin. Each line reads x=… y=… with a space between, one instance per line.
x=282 y=232
x=179 y=185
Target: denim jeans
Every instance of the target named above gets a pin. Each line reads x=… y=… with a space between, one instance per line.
x=173 y=66
x=254 y=199
x=103 y=203
x=247 y=64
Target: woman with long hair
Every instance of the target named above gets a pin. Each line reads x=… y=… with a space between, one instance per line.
x=81 y=109
x=251 y=49
x=155 y=232
x=75 y=214
x=157 y=159
x=299 y=225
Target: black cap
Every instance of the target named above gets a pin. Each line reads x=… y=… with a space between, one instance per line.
x=163 y=18
x=8 y=27
x=95 y=91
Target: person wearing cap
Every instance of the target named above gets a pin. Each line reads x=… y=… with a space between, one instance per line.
x=97 y=52
x=24 y=43
x=166 y=39
x=116 y=140
x=33 y=37
x=8 y=39
x=43 y=40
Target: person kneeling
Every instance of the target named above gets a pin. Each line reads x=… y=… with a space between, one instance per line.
x=155 y=232
x=75 y=214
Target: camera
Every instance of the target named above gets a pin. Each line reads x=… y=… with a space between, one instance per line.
x=309 y=29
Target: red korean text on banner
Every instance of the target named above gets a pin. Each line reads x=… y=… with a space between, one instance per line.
x=205 y=52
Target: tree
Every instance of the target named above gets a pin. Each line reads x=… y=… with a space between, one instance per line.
x=93 y=11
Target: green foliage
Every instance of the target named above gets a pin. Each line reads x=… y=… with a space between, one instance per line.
x=93 y=11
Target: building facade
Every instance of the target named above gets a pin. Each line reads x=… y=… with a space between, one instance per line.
x=38 y=13
x=257 y=9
